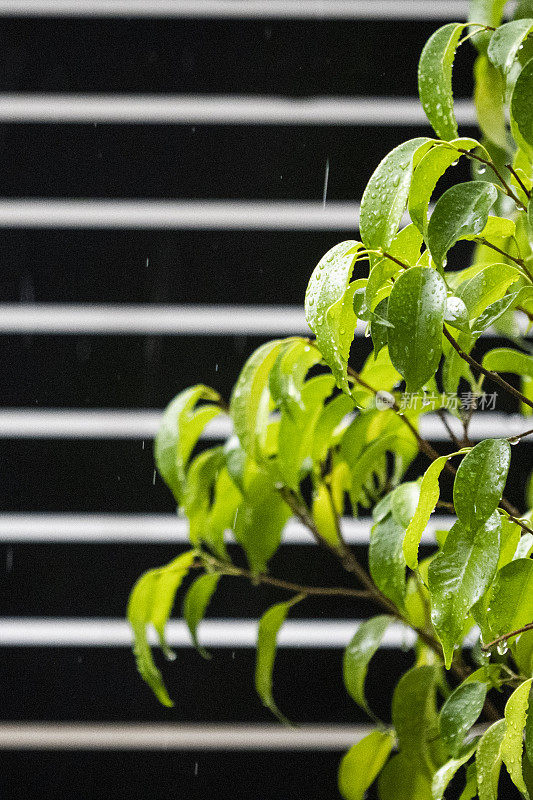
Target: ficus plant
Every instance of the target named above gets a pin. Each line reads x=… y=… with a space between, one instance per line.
x=315 y=439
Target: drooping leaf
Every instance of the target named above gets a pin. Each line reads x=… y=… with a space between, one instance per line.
x=329 y=307
x=427 y=174
x=362 y=764
x=288 y=373
x=404 y=502
x=329 y=420
x=512 y=743
x=405 y=247
x=480 y=481
x=400 y=779
x=521 y=110
x=150 y=602
x=180 y=429
x=443 y=776
x=195 y=605
x=429 y=495
x=249 y=405
x=416 y=310
x=435 y=79
x=503 y=359
x=461 y=211
x=386 y=560
x=459 y=713
x=511 y=602
x=324 y=515
x=459 y=575
x=268 y=630
x=385 y=197
x=484 y=12
x=505 y=42
x=489 y=91
x=414 y=716
x=489 y=761
x=357 y=656
x=496 y=310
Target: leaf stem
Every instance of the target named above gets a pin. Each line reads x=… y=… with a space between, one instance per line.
x=518 y=180
x=518 y=261
x=508 y=191
x=506 y=636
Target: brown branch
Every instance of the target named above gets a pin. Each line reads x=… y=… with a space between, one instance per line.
x=297 y=588
x=442 y=414
x=492 y=375
x=505 y=636
x=508 y=191
x=518 y=180
x=518 y=261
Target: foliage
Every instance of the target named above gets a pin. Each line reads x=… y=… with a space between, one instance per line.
x=316 y=439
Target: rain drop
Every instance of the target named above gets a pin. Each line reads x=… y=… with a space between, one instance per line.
x=502 y=648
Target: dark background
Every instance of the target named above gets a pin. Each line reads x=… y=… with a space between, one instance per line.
x=291 y=58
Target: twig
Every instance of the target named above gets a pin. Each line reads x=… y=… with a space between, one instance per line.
x=518 y=261
x=508 y=191
x=505 y=636
x=492 y=375
x=442 y=414
x=518 y=180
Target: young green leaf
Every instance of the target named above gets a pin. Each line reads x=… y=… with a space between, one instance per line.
x=414 y=715
x=362 y=764
x=459 y=713
x=329 y=420
x=180 y=429
x=489 y=761
x=195 y=605
x=324 y=515
x=480 y=481
x=429 y=494
x=528 y=737
x=357 y=656
x=503 y=359
x=511 y=602
x=329 y=307
x=427 y=174
x=288 y=373
x=150 y=602
x=267 y=635
x=505 y=42
x=401 y=779
x=521 y=110
x=512 y=743
x=459 y=575
x=435 y=79
x=443 y=776
x=484 y=12
x=461 y=211
x=416 y=310
x=386 y=560
x=404 y=502
x=489 y=91
x=385 y=197
x=496 y=310
x=249 y=406
x=456 y=314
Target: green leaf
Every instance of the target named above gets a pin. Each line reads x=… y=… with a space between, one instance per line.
x=362 y=764
x=495 y=310
x=443 y=776
x=249 y=405
x=461 y=211
x=416 y=309
x=324 y=515
x=288 y=373
x=459 y=575
x=195 y=605
x=505 y=42
x=427 y=174
x=414 y=715
x=528 y=738
x=150 y=602
x=329 y=420
x=329 y=307
x=405 y=247
x=480 y=481
x=386 y=560
x=180 y=429
x=267 y=635
x=459 y=713
x=503 y=359
x=489 y=761
x=456 y=314
x=260 y=519
x=357 y=656
x=400 y=779
x=512 y=743
x=385 y=197
x=521 y=110
x=485 y=12
x=511 y=602
x=429 y=494
x=435 y=79
x=489 y=90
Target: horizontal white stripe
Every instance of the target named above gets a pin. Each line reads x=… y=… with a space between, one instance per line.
x=178 y=214
x=220 y=109
x=125 y=319
x=251 y=9
x=96 y=423
x=158 y=529
x=235 y=633
x=178 y=736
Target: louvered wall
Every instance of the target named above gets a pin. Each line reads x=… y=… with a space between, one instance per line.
x=163 y=202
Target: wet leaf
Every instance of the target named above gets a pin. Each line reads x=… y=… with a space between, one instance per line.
x=480 y=481
x=512 y=743
x=511 y=602
x=386 y=560
x=195 y=605
x=435 y=79
x=460 y=712
x=489 y=761
x=357 y=656
x=362 y=764
x=521 y=110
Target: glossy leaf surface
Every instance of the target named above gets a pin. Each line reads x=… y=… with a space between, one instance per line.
x=489 y=761
x=362 y=764
x=512 y=743
x=357 y=656
x=480 y=481
x=435 y=79
x=460 y=712
x=195 y=605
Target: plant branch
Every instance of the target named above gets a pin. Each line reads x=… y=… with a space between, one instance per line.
x=492 y=375
x=518 y=261
x=508 y=191
x=442 y=414
x=518 y=180
x=505 y=636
